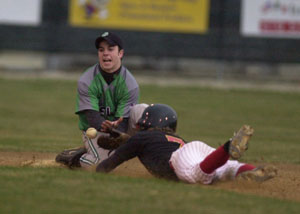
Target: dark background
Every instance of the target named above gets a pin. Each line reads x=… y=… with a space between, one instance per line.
x=222 y=42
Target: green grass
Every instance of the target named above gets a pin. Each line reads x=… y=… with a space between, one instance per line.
x=46 y=190
x=38 y=115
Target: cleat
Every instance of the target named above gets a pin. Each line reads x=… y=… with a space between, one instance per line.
x=239 y=142
x=259 y=174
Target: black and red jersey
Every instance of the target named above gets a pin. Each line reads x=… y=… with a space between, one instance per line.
x=153 y=148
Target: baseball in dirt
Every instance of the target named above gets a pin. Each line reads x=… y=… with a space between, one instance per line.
x=91 y=133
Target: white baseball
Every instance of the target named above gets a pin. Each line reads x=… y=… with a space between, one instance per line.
x=91 y=133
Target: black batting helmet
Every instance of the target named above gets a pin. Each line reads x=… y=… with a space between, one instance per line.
x=158 y=116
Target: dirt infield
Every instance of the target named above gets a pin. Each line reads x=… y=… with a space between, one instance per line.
x=285 y=186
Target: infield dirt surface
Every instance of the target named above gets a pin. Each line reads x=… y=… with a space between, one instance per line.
x=285 y=186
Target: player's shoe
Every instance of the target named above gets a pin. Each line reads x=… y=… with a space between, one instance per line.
x=239 y=142
x=258 y=174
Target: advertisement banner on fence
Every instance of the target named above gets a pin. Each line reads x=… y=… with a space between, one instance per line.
x=186 y=16
x=20 y=12
x=271 y=18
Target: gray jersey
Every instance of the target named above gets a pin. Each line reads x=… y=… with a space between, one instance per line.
x=112 y=101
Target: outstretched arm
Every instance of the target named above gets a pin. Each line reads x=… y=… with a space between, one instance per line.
x=125 y=152
x=109 y=164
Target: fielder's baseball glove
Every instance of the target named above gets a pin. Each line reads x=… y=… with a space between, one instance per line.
x=114 y=140
x=70 y=157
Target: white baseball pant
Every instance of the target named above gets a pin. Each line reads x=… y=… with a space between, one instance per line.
x=186 y=163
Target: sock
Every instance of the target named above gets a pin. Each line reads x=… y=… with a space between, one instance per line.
x=214 y=160
x=226 y=146
x=245 y=167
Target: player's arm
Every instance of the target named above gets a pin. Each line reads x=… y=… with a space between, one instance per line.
x=125 y=152
x=120 y=124
x=109 y=164
x=123 y=125
x=94 y=119
x=87 y=105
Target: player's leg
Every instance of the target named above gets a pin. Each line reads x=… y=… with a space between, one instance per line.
x=259 y=174
x=198 y=162
x=239 y=142
x=243 y=168
x=238 y=146
x=185 y=162
x=216 y=159
x=243 y=171
x=229 y=170
x=234 y=148
x=94 y=154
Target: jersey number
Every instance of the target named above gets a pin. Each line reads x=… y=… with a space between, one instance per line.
x=105 y=111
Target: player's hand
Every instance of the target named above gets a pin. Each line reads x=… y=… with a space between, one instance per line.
x=107 y=125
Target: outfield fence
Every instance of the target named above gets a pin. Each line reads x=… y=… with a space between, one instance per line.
x=190 y=35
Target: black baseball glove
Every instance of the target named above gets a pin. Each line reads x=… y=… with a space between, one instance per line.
x=70 y=157
x=115 y=139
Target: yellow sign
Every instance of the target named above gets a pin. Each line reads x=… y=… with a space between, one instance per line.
x=186 y=16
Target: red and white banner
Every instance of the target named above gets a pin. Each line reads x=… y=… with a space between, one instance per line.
x=270 y=18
